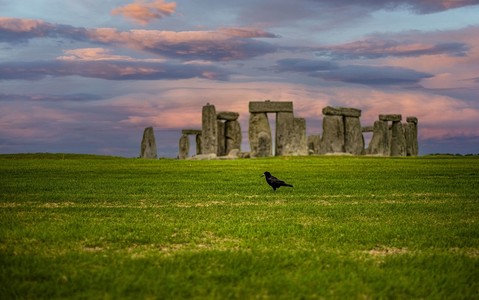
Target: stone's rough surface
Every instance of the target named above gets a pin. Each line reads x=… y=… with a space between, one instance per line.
x=284 y=133
x=233 y=136
x=270 y=106
x=148 y=144
x=209 y=130
x=341 y=111
x=398 y=141
x=410 y=133
x=333 y=134
x=314 y=142
x=259 y=134
x=184 y=146
x=353 y=136
x=264 y=145
x=220 y=138
x=411 y=120
x=191 y=131
x=227 y=115
x=198 y=144
x=299 y=142
x=379 y=144
x=392 y=118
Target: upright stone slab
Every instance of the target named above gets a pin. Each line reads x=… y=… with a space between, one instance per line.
x=333 y=134
x=209 y=130
x=314 y=142
x=148 y=144
x=398 y=141
x=299 y=142
x=410 y=132
x=199 y=144
x=220 y=138
x=184 y=147
x=284 y=133
x=379 y=144
x=259 y=128
x=353 y=138
x=233 y=136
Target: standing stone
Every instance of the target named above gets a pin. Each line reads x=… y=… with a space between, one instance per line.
x=220 y=138
x=379 y=144
x=299 y=142
x=314 y=142
x=209 y=130
x=410 y=132
x=259 y=134
x=148 y=144
x=353 y=139
x=233 y=136
x=198 y=144
x=284 y=133
x=398 y=141
x=184 y=147
x=333 y=134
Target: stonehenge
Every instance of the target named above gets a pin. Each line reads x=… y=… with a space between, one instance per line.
x=221 y=135
x=148 y=144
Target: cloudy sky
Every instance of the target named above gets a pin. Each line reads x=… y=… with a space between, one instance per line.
x=88 y=76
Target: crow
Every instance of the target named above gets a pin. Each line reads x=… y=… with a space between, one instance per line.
x=273 y=181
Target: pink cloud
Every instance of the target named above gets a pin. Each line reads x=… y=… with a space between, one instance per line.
x=143 y=12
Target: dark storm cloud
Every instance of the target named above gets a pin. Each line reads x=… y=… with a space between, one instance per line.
x=110 y=70
x=369 y=75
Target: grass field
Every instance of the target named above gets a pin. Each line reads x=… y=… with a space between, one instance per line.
x=89 y=227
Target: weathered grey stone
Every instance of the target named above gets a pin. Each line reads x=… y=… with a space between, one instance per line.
x=184 y=147
x=259 y=134
x=198 y=144
x=227 y=115
x=209 y=130
x=353 y=136
x=410 y=133
x=191 y=131
x=398 y=141
x=333 y=134
x=379 y=144
x=264 y=145
x=270 y=106
x=220 y=138
x=299 y=142
x=341 y=111
x=411 y=120
x=148 y=144
x=392 y=118
x=204 y=157
x=284 y=133
x=234 y=153
x=233 y=136
x=314 y=142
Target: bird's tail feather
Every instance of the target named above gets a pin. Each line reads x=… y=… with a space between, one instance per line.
x=288 y=185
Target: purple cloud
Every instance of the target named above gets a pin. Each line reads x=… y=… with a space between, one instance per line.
x=303 y=65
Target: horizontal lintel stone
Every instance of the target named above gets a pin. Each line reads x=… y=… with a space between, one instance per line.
x=411 y=120
x=270 y=106
x=191 y=131
x=227 y=115
x=368 y=129
x=341 y=111
x=393 y=118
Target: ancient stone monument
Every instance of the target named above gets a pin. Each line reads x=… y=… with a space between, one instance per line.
x=148 y=144
x=290 y=136
x=342 y=131
x=220 y=135
x=395 y=140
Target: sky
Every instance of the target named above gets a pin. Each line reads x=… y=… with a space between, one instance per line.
x=89 y=76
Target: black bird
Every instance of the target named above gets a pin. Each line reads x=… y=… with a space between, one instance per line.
x=274 y=182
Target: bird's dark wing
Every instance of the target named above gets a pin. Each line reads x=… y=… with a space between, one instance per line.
x=275 y=181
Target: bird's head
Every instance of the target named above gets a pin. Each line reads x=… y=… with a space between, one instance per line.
x=267 y=174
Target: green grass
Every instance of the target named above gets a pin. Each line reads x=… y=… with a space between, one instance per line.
x=89 y=227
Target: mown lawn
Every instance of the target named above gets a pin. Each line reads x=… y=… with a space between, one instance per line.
x=89 y=227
